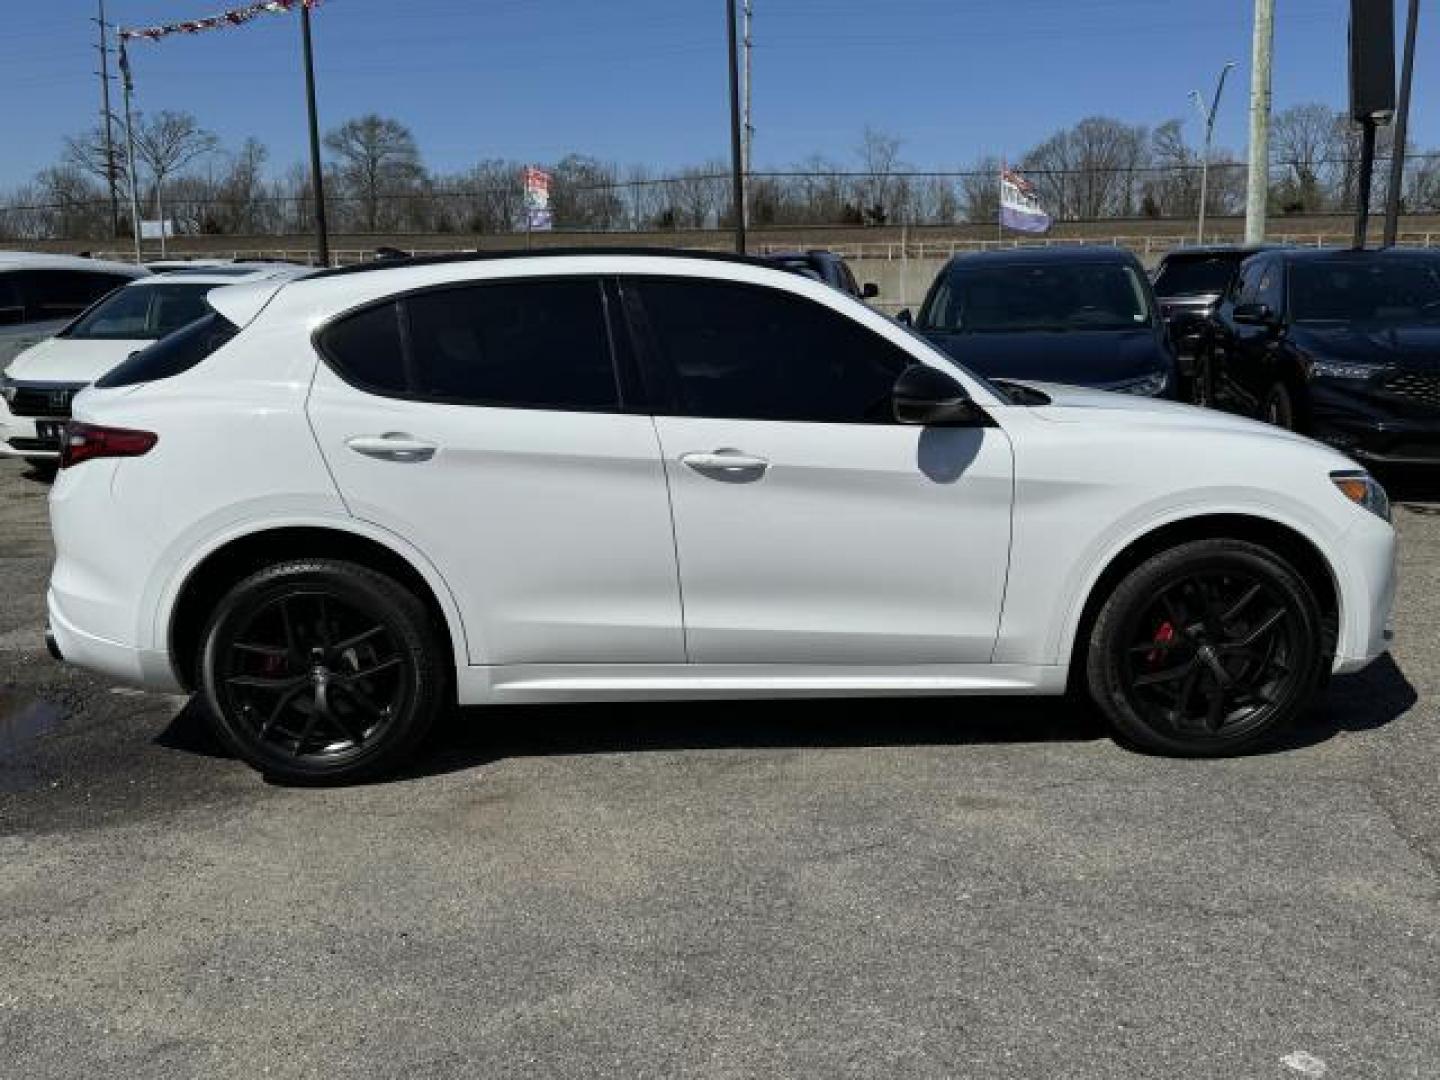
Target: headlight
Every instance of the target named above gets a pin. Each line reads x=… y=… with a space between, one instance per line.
x=1331 y=369
x=1363 y=490
x=1149 y=386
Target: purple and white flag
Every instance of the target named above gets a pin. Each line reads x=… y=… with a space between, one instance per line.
x=1019 y=206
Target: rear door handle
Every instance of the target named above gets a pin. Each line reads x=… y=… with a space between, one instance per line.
x=727 y=464
x=392 y=446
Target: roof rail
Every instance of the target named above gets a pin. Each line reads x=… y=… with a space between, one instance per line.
x=392 y=263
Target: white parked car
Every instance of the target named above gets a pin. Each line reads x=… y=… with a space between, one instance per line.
x=339 y=504
x=38 y=385
x=40 y=293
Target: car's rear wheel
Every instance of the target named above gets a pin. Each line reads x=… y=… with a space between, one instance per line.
x=321 y=670
x=1206 y=649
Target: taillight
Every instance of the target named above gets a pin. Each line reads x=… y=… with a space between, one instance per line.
x=85 y=441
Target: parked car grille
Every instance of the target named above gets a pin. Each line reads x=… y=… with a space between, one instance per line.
x=42 y=401
x=1420 y=386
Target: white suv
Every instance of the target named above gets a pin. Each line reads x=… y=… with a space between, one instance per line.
x=342 y=503
x=38 y=386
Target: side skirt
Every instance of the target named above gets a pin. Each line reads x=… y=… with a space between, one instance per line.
x=520 y=683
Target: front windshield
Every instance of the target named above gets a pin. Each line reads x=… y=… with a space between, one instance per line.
x=1345 y=290
x=1195 y=275
x=1060 y=297
x=142 y=312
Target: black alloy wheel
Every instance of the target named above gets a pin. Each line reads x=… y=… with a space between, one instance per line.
x=1206 y=649
x=321 y=670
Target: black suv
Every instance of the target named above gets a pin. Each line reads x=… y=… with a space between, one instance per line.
x=1342 y=345
x=1189 y=282
x=1077 y=315
x=824 y=266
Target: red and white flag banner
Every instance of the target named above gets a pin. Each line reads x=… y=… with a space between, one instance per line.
x=235 y=17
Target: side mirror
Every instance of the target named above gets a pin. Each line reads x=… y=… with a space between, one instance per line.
x=904 y=316
x=926 y=395
x=1254 y=315
x=869 y=290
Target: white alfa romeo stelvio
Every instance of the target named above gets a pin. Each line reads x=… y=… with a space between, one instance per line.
x=336 y=506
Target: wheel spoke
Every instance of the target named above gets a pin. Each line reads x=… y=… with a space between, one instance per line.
x=309 y=727
x=262 y=650
x=374 y=669
x=368 y=707
x=1241 y=604
x=1262 y=628
x=291 y=648
x=1167 y=675
x=1215 y=715
x=351 y=642
x=285 y=700
x=1187 y=691
x=262 y=682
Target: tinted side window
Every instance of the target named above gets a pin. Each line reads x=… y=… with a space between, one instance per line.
x=1247 y=284
x=171 y=355
x=364 y=349
x=746 y=352
x=12 y=309
x=522 y=344
x=61 y=294
x=540 y=344
x=1269 y=289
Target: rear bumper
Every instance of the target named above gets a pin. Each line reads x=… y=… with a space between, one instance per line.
x=124 y=663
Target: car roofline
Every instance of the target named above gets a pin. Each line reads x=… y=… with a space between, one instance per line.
x=378 y=265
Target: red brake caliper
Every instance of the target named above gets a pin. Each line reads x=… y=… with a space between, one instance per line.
x=1163 y=636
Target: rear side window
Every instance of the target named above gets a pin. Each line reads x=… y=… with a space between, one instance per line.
x=12 y=309
x=521 y=344
x=63 y=294
x=171 y=355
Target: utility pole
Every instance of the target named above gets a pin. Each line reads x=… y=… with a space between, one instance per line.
x=1257 y=191
x=1402 y=121
x=737 y=166
x=317 y=180
x=127 y=84
x=749 y=147
x=105 y=121
x=1208 y=116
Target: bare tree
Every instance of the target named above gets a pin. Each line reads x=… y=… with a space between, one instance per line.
x=879 y=154
x=377 y=160
x=166 y=143
x=1303 y=138
x=1090 y=171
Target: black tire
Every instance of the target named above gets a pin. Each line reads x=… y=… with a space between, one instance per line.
x=322 y=671
x=1278 y=407
x=1202 y=388
x=1179 y=620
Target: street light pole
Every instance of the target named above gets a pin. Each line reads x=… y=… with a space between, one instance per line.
x=317 y=181
x=737 y=165
x=1208 y=117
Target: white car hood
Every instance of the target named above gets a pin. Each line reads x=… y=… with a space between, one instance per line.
x=1080 y=405
x=70 y=360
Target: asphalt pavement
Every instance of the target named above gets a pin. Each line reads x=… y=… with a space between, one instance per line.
x=962 y=888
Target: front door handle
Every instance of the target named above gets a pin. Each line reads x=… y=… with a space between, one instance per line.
x=392 y=446
x=727 y=464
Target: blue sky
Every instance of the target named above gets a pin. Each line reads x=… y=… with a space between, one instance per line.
x=643 y=80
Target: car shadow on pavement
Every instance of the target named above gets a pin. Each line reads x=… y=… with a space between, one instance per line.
x=474 y=737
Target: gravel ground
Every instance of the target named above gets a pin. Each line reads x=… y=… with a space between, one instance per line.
x=890 y=889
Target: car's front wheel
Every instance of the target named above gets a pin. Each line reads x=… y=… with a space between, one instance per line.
x=1206 y=649
x=322 y=670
